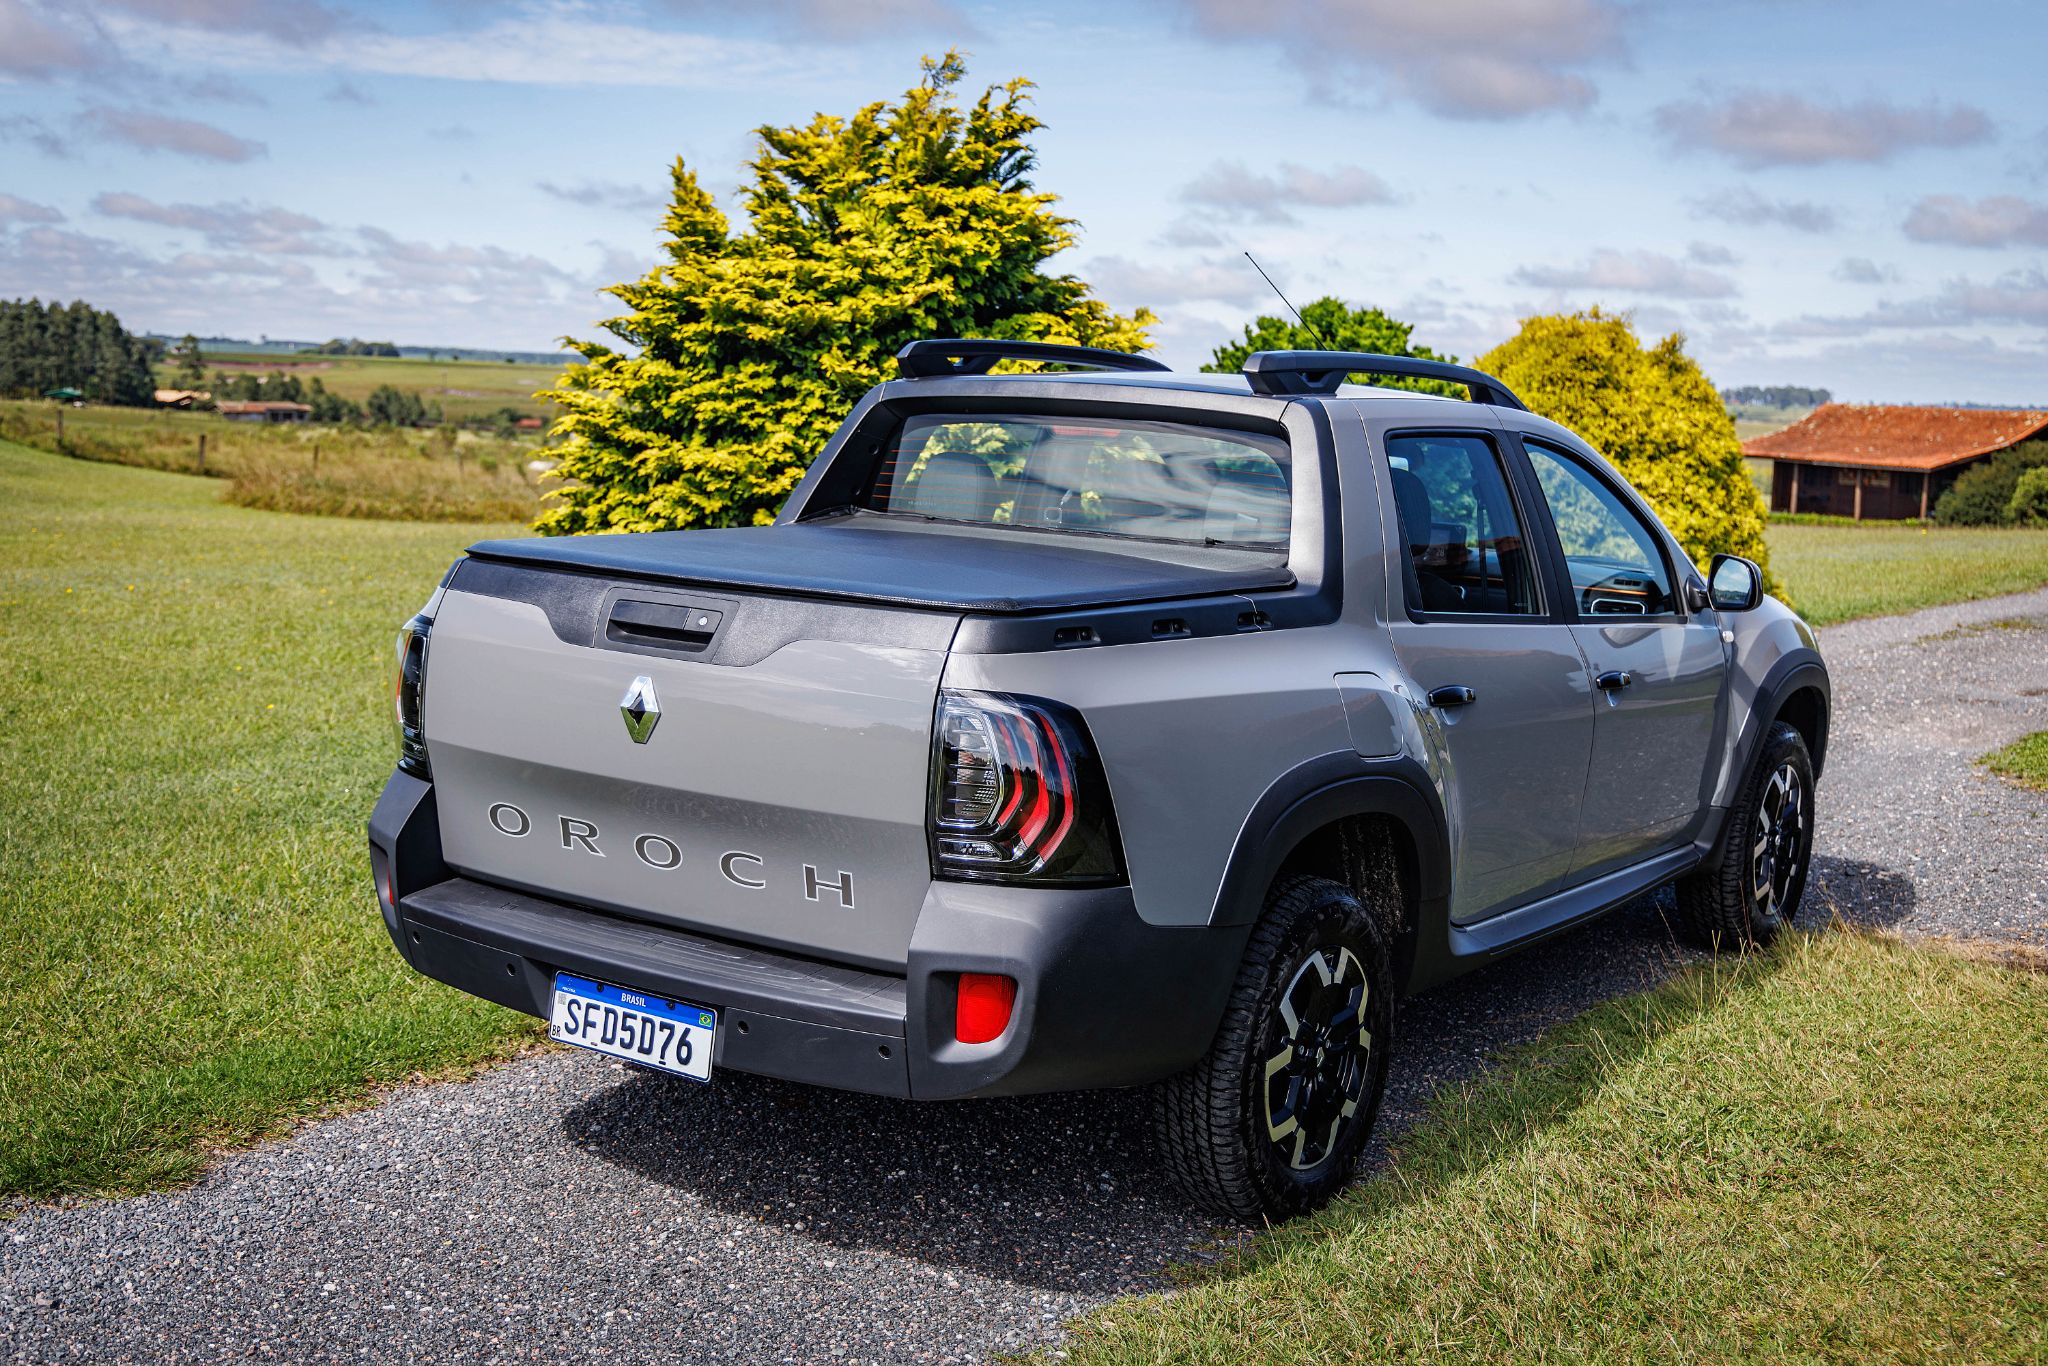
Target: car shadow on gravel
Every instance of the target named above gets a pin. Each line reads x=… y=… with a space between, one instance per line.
x=1060 y=1192
x=1865 y=896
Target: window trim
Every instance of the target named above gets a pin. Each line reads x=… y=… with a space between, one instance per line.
x=1629 y=500
x=1509 y=459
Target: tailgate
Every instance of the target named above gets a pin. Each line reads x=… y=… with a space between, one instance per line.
x=778 y=795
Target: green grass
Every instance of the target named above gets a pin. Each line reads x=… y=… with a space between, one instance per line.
x=463 y=388
x=2025 y=761
x=1831 y=1152
x=193 y=730
x=412 y=475
x=1836 y=573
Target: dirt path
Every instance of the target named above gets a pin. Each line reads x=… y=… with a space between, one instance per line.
x=560 y=1207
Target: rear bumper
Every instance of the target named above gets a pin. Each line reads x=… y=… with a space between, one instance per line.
x=1103 y=998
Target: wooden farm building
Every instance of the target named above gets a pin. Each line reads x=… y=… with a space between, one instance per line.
x=1879 y=461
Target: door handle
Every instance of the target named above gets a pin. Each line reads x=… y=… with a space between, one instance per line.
x=1614 y=680
x=1452 y=695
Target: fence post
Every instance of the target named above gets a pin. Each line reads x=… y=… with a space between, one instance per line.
x=60 y=426
x=202 y=452
x=316 y=456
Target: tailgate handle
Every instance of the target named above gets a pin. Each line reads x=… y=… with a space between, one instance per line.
x=663 y=624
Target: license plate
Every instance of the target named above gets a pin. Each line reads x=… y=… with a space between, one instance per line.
x=666 y=1035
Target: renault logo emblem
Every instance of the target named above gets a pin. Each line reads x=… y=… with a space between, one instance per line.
x=641 y=709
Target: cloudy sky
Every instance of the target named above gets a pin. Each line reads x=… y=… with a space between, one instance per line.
x=1814 y=191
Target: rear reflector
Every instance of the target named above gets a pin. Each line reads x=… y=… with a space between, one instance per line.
x=983 y=1006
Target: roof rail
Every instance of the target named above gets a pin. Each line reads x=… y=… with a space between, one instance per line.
x=941 y=356
x=1320 y=372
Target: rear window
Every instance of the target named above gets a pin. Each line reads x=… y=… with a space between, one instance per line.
x=1158 y=481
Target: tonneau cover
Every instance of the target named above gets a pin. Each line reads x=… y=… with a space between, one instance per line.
x=872 y=558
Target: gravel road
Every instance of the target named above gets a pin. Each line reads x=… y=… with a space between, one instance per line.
x=562 y=1207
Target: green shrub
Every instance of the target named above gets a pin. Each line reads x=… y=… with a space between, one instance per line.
x=2029 y=505
x=1652 y=412
x=743 y=351
x=1982 y=495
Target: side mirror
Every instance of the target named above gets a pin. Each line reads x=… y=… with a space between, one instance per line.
x=1735 y=584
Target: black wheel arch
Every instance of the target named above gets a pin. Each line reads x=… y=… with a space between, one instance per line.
x=1340 y=817
x=1796 y=691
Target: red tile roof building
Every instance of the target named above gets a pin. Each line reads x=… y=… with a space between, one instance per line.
x=1881 y=461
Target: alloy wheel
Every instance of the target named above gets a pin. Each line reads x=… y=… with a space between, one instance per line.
x=1319 y=1048
x=1780 y=835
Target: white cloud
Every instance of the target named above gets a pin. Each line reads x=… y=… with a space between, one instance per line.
x=841 y=20
x=1267 y=197
x=2018 y=297
x=1861 y=270
x=44 y=41
x=15 y=209
x=1125 y=283
x=264 y=229
x=559 y=43
x=298 y=22
x=2000 y=220
x=1758 y=128
x=1480 y=59
x=160 y=133
x=1643 y=272
x=1743 y=205
x=607 y=194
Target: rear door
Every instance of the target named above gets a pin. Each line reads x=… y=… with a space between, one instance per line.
x=750 y=766
x=1477 y=628
x=1659 y=670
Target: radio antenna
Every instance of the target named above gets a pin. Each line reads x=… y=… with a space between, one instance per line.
x=1306 y=326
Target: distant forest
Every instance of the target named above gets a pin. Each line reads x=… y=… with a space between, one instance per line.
x=1774 y=396
x=45 y=347
x=352 y=346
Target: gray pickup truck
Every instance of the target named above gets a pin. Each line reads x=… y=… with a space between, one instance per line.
x=1096 y=727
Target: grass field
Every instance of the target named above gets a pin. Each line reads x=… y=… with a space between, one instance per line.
x=1829 y=1153
x=192 y=725
x=463 y=388
x=1835 y=573
x=2025 y=761
x=413 y=475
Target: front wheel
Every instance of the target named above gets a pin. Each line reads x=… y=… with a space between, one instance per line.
x=1270 y=1122
x=1750 y=885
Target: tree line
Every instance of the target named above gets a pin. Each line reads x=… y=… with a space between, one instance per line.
x=45 y=347
x=387 y=405
x=351 y=346
x=1774 y=396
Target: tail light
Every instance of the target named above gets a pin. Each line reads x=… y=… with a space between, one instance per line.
x=1018 y=794
x=410 y=683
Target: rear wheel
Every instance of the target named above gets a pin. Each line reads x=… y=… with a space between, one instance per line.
x=1750 y=886
x=1270 y=1122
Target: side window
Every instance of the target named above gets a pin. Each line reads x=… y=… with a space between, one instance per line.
x=1617 y=566
x=1465 y=547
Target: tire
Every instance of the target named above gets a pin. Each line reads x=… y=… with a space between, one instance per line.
x=1750 y=885
x=1248 y=1142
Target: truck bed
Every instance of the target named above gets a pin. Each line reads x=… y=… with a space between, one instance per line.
x=867 y=557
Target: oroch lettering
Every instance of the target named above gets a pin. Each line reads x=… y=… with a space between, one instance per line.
x=503 y=814
x=843 y=887
x=657 y=852
x=725 y=866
